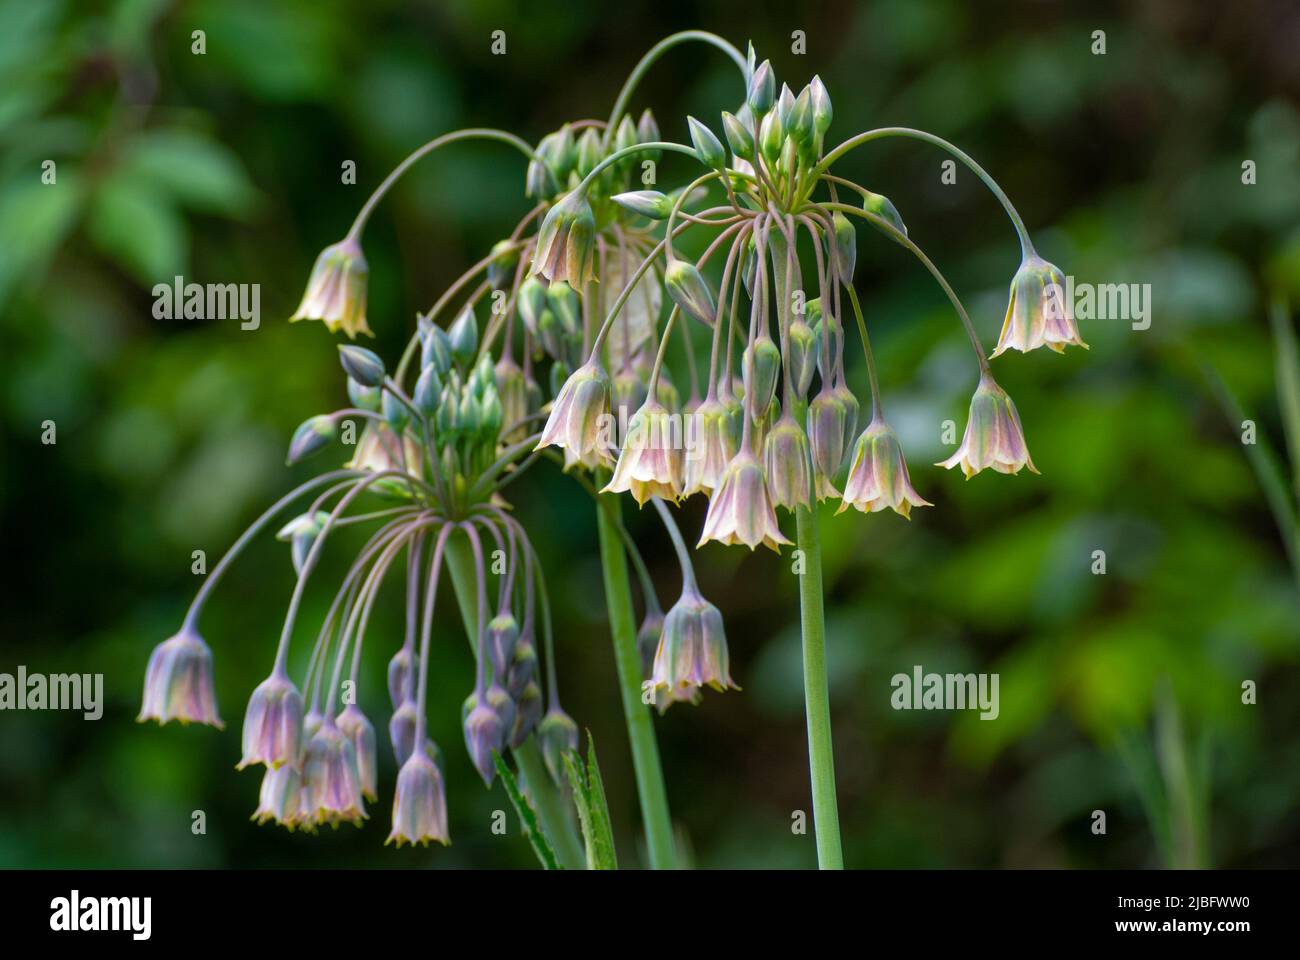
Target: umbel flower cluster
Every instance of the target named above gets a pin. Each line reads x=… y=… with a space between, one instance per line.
x=574 y=299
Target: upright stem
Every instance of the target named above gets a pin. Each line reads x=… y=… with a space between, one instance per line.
x=550 y=804
x=645 y=750
x=821 y=757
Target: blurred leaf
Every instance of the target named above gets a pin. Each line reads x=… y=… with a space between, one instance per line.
x=138 y=228
x=42 y=215
x=197 y=172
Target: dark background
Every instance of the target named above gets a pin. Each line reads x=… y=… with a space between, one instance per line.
x=171 y=434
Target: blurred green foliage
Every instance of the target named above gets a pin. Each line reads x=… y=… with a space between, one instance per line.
x=225 y=167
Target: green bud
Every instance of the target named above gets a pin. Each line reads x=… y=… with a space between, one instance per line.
x=362 y=365
x=490 y=414
x=771 y=138
x=647 y=131
x=883 y=208
x=448 y=412
x=785 y=105
x=739 y=138
x=312 y=436
x=564 y=303
x=708 y=148
x=801 y=118
x=762 y=89
x=428 y=390
x=845 y=249
x=366 y=398
x=830 y=327
x=590 y=151
x=463 y=337
x=803 y=355
x=469 y=413
x=532 y=301
x=505 y=256
x=558 y=734
x=645 y=203
x=564 y=154
x=626 y=137
x=395 y=412
x=435 y=347
x=687 y=287
x=760 y=364
x=821 y=106
x=560 y=372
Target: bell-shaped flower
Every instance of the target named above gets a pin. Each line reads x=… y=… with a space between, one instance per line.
x=878 y=476
x=650 y=463
x=566 y=241
x=1037 y=313
x=711 y=443
x=579 y=422
x=787 y=463
x=740 y=510
x=484 y=734
x=692 y=650
x=419 y=804
x=331 y=779
x=273 y=723
x=178 y=682
x=336 y=290
x=993 y=435
x=357 y=727
x=279 y=797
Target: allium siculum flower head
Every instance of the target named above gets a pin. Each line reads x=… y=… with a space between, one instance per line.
x=650 y=463
x=336 y=290
x=740 y=510
x=557 y=734
x=578 y=420
x=878 y=476
x=279 y=797
x=827 y=427
x=566 y=241
x=331 y=779
x=273 y=723
x=993 y=435
x=357 y=727
x=178 y=682
x=787 y=463
x=419 y=804
x=692 y=651
x=484 y=734
x=714 y=442
x=1037 y=314
x=502 y=635
x=401 y=729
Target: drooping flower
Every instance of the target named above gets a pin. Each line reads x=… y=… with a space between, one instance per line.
x=647 y=640
x=741 y=508
x=502 y=637
x=273 y=723
x=419 y=804
x=279 y=797
x=578 y=422
x=557 y=734
x=336 y=290
x=357 y=727
x=993 y=435
x=484 y=734
x=827 y=428
x=650 y=463
x=788 y=465
x=566 y=241
x=401 y=729
x=331 y=780
x=711 y=444
x=178 y=682
x=692 y=651
x=528 y=713
x=1037 y=313
x=401 y=675
x=878 y=475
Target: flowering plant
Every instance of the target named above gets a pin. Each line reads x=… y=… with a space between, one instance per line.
x=576 y=292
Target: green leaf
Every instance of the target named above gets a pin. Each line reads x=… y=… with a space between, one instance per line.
x=593 y=811
x=139 y=229
x=1288 y=384
x=196 y=172
x=527 y=817
x=42 y=214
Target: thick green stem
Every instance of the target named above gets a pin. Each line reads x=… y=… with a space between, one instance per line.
x=550 y=804
x=821 y=757
x=640 y=731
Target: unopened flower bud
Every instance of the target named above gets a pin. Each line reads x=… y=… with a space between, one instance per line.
x=435 y=347
x=301 y=533
x=738 y=136
x=463 y=335
x=771 y=138
x=802 y=345
x=366 y=398
x=821 y=106
x=528 y=713
x=502 y=635
x=708 y=148
x=313 y=435
x=645 y=203
x=401 y=727
x=687 y=287
x=845 y=247
x=647 y=131
x=362 y=365
x=762 y=89
x=401 y=675
x=484 y=734
x=505 y=256
x=396 y=413
x=647 y=640
x=558 y=734
x=884 y=208
x=760 y=365
x=532 y=301
x=428 y=391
